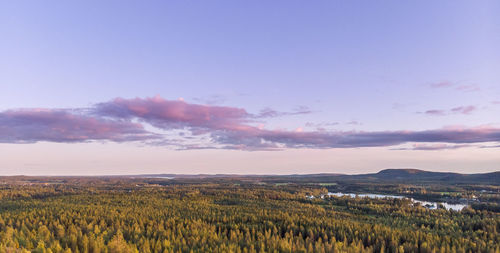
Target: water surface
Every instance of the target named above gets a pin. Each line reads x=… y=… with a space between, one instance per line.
x=428 y=204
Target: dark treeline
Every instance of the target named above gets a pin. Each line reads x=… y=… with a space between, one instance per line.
x=125 y=216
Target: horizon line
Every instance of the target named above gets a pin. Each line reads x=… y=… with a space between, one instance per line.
x=236 y=175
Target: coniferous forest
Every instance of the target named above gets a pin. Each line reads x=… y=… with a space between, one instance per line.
x=238 y=215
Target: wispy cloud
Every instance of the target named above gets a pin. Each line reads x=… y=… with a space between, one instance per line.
x=435 y=112
x=464 y=109
x=455 y=86
x=456 y=110
x=442 y=84
x=468 y=88
x=270 y=113
x=490 y=146
x=432 y=147
x=354 y=122
x=321 y=125
x=211 y=100
x=183 y=124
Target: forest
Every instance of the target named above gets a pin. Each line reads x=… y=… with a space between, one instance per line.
x=142 y=214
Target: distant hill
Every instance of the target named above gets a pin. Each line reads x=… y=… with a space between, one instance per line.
x=387 y=175
x=415 y=175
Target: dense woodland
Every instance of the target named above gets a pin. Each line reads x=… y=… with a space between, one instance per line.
x=131 y=215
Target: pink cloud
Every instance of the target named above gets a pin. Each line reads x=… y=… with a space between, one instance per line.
x=167 y=114
x=456 y=86
x=253 y=137
x=33 y=125
x=173 y=113
x=220 y=126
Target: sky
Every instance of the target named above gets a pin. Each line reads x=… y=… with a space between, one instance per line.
x=248 y=87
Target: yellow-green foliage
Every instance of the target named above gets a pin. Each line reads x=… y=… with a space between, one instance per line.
x=230 y=218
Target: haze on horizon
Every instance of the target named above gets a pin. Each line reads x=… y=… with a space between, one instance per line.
x=232 y=87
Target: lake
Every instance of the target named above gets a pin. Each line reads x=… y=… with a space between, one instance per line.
x=428 y=204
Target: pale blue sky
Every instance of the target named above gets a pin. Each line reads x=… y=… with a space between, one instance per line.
x=373 y=62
